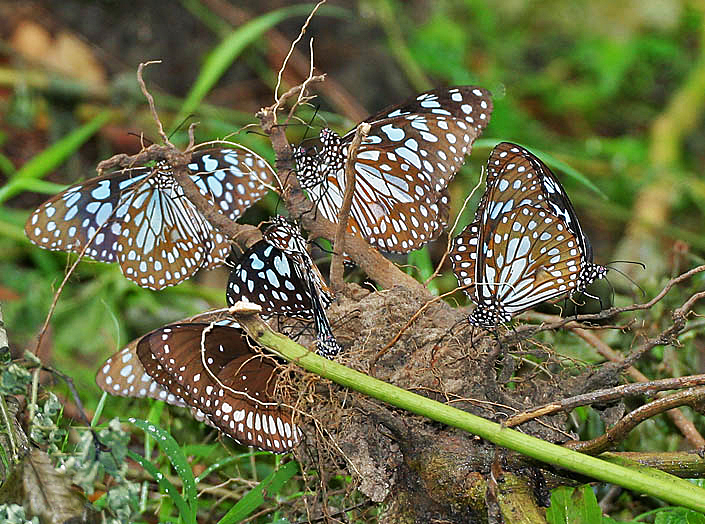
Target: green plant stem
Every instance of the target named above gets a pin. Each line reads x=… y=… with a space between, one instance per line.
x=53 y=156
x=657 y=484
x=10 y=428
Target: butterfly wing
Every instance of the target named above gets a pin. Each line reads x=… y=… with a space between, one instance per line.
x=403 y=167
x=266 y=276
x=141 y=218
x=88 y=212
x=528 y=256
x=278 y=274
x=229 y=382
x=470 y=103
x=463 y=257
x=233 y=179
x=124 y=375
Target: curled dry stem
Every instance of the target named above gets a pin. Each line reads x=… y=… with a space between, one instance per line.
x=622 y=428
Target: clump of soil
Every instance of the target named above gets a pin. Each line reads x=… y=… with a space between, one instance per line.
x=394 y=453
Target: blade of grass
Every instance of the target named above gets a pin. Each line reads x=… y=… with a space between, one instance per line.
x=166 y=486
x=7 y=168
x=222 y=463
x=272 y=484
x=154 y=415
x=40 y=186
x=177 y=458
x=661 y=485
x=53 y=156
x=99 y=409
x=228 y=50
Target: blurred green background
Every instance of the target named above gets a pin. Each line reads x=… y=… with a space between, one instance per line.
x=614 y=90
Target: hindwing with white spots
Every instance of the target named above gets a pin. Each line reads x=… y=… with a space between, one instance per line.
x=124 y=375
x=140 y=218
x=212 y=370
x=403 y=167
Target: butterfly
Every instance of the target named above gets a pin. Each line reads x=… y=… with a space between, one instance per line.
x=402 y=167
x=525 y=245
x=277 y=273
x=213 y=370
x=140 y=218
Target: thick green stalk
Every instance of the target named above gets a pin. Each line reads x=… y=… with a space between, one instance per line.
x=657 y=484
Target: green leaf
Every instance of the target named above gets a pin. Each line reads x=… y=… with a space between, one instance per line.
x=166 y=486
x=14 y=380
x=53 y=156
x=573 y=506
x=272 y=484
x=679 y=516
x=228 y=50
x=172 y=450
x=421 y=264
x=222 y=463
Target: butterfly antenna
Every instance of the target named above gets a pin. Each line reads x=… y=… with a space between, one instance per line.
x=643 y=293
x=141 y=137
x=643 y=266
x=612 y=293
x=185 y=119
x=260 y=133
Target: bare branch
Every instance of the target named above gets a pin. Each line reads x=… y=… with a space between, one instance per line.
x=611 y=312
x=336 y=265
x=384 y=272
x=150 y=100
x=606 y=395
x=291 y=50
x=621 y=429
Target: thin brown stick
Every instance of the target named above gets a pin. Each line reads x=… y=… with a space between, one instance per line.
x=243 y=234
x=299 y=64
x=336 y=264
x=611 y=312
x=451 y=231
x=683 y=423
x=606 y=395
x=150 y=100
x=621 y=429
x=60 y=289
x=302 y=32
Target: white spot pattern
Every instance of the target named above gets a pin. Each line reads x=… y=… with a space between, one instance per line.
x=520 y=249
x=237 y=384
x=140 y=218
x=410 y=155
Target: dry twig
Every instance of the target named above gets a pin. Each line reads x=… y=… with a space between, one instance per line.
x=606 y=395
x=621 y=429
x=336 y=265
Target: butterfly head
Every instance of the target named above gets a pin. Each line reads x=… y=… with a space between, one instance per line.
x=333 y=155
x=589 y=273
